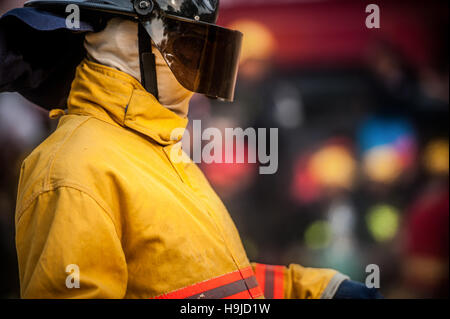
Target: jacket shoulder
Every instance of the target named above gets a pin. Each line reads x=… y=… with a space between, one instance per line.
x=67 y=158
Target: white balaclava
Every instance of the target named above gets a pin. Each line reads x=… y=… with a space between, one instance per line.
x=117 y=46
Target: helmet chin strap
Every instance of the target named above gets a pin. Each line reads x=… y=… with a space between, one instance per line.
x=147 y=62
x=147 y=59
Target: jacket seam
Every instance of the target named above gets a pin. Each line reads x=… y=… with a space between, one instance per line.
x=113 y=123
x=57 y=151
x=150 y=133
x=55 y=187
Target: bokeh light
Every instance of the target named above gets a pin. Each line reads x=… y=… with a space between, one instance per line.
x=383 y=222
x=258 y=42
x=388 y=147
x=258 y=47
x=333 y=166
x=305 y=187
x=318 y=235
x=382 y=164
x=437 y=157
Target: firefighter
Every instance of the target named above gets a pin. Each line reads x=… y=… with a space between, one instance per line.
x=103 y=196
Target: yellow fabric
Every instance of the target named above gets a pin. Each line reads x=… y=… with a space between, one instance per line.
x=56 y=114
x=102 y=193
x=306 y=283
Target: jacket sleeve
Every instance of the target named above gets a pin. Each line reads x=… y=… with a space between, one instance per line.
x=297 y=282
x=63 y=233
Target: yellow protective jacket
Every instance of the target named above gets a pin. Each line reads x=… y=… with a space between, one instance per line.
x=103 y=194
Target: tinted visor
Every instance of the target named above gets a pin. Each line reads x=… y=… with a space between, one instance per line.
x=203 y=57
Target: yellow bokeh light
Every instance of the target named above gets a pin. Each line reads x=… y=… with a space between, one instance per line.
x=437 y=157
x=258 y=43
x=383 y=164
x=334 y=166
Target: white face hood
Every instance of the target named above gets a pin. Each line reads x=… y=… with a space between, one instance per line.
x=117 y=46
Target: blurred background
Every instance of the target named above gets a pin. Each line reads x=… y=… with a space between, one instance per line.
x=364 y=141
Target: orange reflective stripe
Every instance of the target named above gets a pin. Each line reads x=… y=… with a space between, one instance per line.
x=240 y=284
x=271 y=279
x=260 y=274
x=253 y=286
x=256 y=292
x=247 y=272
x=278 y=292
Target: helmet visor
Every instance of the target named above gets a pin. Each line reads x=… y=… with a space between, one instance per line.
x=203 y=57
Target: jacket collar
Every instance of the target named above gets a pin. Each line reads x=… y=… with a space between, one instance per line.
x=118 y=98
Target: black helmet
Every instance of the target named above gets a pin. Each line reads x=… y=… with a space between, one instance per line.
x=203 y=10
x=203 y=56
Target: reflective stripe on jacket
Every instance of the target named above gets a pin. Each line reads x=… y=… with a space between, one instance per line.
x=103 y=193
